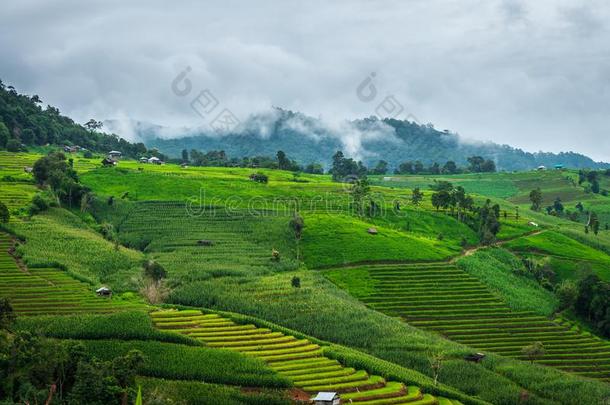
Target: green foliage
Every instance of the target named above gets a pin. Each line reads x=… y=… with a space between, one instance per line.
x=259 y=178
x=346 y=169
x=534 y=351
x=567 y=293
x=53 y=171
x=7 y=315
x=168 y=392
x=102 y=326
x=172 y=361
x=500 y=270
x=154 y=270
x=488 y=222
x=416 y=196
x=60 y=237
x=24 y=115
x=5 y=215
x=536 y=199
x=352 y=244
x=563 y=247
x=593 y=302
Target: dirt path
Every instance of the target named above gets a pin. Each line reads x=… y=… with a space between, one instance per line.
x=472 y=250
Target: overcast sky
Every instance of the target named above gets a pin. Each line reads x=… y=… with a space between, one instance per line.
x=532 y=74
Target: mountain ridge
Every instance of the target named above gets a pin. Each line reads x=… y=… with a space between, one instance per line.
x=310 y=140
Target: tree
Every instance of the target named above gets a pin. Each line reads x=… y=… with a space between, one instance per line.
x=297 y=224
x=5 y=215
x=450 y=167
x=594 y=223
x=489 y=226
x=54 y=171
x=536 y=199
x=154 y=271
x=405 y=168
x=359 y=192
x=489 y=166
x=283 y=163
x=314 y=168
x=417 y=196
x=13 y=145
x=4 y=135
x=124 y=369
x=533 y=351
x=441 y=199
x=185 y=156
x=295 y=282
x=436 y=361
x=93 y=125
x=558 y=206
x=381 y=167
x=476 y=162
x=567 y=293
x=595 y=186
x=7 y=315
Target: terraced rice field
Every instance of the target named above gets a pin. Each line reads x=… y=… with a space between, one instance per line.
x=240 y=242
x=443 y=298
x=40 y=291
x=298 y=359
x=13 y=163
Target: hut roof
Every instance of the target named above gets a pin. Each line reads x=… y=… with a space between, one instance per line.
x=325 y=396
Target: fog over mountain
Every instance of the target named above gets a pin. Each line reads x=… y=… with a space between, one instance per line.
x=312 y=140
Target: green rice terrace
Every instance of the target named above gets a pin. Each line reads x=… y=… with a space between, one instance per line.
x=236 y=291
x=299 y=360
x=446 y=299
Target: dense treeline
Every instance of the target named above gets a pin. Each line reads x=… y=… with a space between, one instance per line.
x=24 y=123
x=219 y=158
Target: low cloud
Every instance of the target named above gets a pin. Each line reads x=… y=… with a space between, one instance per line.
x=535 y=75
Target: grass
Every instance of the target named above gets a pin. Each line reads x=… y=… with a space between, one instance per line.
x=100 y=326
x=175 y=361
x=496 y=268
x=156 y=390
x=61 y=238
x=338 y=239
x=560 y=246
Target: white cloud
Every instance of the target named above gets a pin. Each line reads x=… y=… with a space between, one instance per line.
x=531 y=74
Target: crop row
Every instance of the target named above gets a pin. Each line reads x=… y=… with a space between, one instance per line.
x=443 y=298
x=298 y=360
x=37 y=291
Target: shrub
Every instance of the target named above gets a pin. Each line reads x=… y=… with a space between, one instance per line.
x=259 y=178
x=296 y=282
x=5 y=215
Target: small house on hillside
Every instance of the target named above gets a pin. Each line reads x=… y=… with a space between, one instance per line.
x=559 y=166
x=115 y=154
x=372 y=231
x=327 y=398
x=155 y=161
x=541 y=168
x=143 y=159
x=104 y=292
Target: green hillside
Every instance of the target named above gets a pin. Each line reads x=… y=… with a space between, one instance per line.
x=340 y=308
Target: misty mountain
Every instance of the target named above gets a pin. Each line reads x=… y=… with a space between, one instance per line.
x=311 y=140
